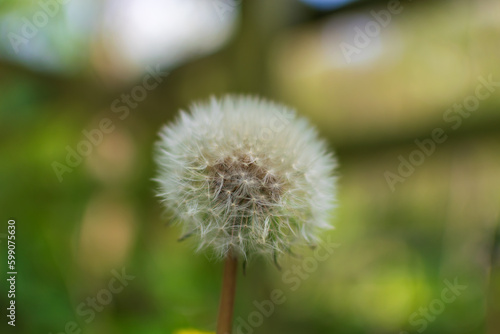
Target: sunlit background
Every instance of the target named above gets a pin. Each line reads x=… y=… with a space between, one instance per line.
x=373 y=76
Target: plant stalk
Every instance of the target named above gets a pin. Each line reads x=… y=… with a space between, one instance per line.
x=225 y=319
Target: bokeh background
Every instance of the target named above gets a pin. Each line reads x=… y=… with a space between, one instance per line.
x=67 y=65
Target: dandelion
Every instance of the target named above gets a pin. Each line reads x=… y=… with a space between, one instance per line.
x=245 y=177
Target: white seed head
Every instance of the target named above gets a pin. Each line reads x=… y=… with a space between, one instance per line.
x=246 y=175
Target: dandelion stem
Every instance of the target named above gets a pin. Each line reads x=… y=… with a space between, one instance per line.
x=225 y=319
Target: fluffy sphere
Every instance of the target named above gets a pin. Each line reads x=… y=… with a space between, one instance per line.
x=246 y=175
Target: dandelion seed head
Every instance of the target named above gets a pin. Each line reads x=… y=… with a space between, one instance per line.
x=246 y=175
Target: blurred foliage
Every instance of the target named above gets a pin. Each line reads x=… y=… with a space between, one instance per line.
x=397 y=248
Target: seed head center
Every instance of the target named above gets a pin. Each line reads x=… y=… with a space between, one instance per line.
x=241 y=182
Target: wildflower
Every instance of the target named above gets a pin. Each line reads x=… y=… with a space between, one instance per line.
x=246 y=176
x=192 y=331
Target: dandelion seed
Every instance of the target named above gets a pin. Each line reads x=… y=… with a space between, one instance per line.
x=236 y=189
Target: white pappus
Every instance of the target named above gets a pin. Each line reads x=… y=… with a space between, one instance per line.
x=246 y=175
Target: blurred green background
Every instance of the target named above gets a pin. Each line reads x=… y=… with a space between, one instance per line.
x=372 y=84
